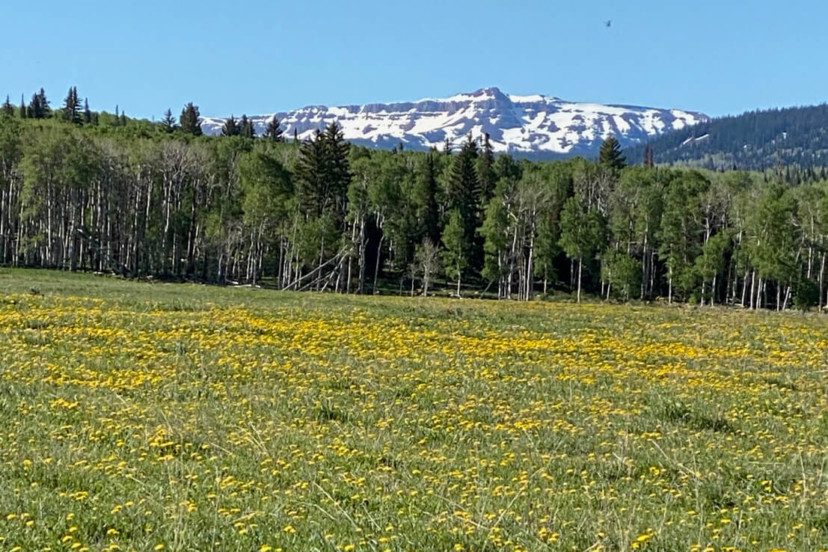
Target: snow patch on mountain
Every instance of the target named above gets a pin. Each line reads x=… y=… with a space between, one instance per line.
x=523 y=125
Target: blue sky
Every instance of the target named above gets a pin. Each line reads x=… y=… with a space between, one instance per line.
x=260 y=56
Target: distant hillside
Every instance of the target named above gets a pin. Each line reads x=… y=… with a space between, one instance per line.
x=752 y=141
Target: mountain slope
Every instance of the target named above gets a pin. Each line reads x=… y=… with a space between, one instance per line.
x=752 y=141
x=528 y=126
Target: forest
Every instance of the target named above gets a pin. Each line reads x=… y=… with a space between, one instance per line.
x=794 y=140
x=90 y=191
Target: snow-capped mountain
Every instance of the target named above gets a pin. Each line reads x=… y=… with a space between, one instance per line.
x=528 y=126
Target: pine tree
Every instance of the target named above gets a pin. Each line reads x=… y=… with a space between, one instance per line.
x=425 y=197
x=22 y=111
x=168 y=123
x=296 y=135
x=485 y=170
x=43 y=102
x=36 y=109
x=339 y=171
x=87 y=113
x=230 y=127
x=71 y=107
x=190 y=120
x=323 y=173
x=310 y=176
x=462 y=188
x=273 y=131
x=610 y=155
x=8 y=108
x=246 y=128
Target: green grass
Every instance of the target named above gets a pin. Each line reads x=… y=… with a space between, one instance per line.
x=141 y=416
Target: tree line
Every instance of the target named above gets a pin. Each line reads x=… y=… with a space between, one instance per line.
x=81 y=190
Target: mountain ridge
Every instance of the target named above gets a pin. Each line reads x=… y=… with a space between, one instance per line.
x=754 y=140
x=536 y=125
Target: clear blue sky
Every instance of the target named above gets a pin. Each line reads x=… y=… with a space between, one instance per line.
x=260 y=56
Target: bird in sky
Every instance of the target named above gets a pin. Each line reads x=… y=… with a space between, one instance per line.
x=608 y=23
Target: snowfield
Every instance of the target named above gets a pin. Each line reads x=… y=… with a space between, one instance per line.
x=532 y=125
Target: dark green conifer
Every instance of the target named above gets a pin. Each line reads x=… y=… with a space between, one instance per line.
x=463 y=185
x=425 y=196
x=37 y=109
x=8 y=108
x=168 y=123
x=87 y=113
x=273 y=131
x=610 y=155
x=486 y=172
x=190 y=120
x=71 y=111
x=230 y=127
x=246 y=127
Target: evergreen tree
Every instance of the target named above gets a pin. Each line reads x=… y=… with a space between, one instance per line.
x=311 y=186
x=8 y=108
x=45 y=105
x=87 y=113
x=71 y=111
x=323 y=173
x=463 y=187
x=338 y=168
x=485 y=170
x=36 y=110
x=425 y=196
x=22 y=111
x=610 y=155
x=273 y=131
x=190 y=120
x=168 y=123
x=246 y=128
x=230 y=127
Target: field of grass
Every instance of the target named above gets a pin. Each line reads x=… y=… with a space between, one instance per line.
x=139 y=416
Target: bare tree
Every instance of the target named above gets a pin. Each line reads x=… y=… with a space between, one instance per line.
x=427 y=261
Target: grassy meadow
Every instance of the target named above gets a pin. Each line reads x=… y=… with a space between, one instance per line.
x=138 y=416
